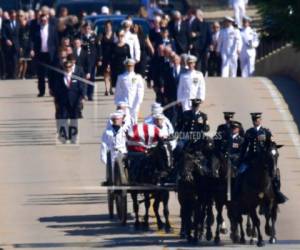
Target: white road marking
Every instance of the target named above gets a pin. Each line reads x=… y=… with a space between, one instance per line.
x=277 y=99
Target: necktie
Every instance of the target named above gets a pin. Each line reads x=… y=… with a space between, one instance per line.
x=69 y=80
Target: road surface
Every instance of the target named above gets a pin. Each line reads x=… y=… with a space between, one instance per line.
x=50 y=195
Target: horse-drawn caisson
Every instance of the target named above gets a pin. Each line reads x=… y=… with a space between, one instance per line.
x=234 y=169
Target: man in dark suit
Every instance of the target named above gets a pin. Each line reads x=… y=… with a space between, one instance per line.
x=81 y=57
x=11 y=45
x=44 y=46
x=91 y=45
x=200 y=40
x=171 y=77
x=69 y=95
x=179 y=32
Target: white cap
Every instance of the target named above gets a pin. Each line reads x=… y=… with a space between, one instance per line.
x=129 y=61
x=117 y=115
x=191 y=58
x=155 y=106
x=122 y=104
x=247 y=18
x=228 y=18
x=105 y=10
x=157 y=110
x=159 y=116
x=126 y=21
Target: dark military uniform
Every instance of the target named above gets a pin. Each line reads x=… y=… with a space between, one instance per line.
x=235 y=149
x=91 y=45
x=192 y=127
x=192 y=121
x=256 y=140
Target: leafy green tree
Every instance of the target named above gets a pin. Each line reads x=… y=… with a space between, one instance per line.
x=281 y=19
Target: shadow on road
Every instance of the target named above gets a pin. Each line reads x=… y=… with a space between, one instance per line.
x=67 y=199
x=290 y=91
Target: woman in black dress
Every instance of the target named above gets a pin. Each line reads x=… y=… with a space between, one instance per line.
x=119 y=53
x=107 y=44
x=146 y=46
x=24 y=47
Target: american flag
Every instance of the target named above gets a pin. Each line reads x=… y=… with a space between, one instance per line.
x=142 y=137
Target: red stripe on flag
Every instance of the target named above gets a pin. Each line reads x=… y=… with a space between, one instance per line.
x=146 y=134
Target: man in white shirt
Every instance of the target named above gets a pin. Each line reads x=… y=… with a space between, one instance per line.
x=229 y=46
x=250 y=42
x=191 y=85
x=239 y=7
x=130 y=89
x=132 y=41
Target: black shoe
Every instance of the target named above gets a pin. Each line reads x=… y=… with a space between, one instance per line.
x=40 y=95
x=280 y=198
x=111 y=92
x=90 y=98
x=106 y=93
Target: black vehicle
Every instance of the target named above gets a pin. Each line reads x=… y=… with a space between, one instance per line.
x=76 y=6
x=10 y=4
x=116 y=23
x=94 y=18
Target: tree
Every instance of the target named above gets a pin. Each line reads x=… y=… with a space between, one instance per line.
x=281 y=19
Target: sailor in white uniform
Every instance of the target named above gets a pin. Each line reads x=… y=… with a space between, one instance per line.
x=191 y=85
x=130 y=89
x=250 y=41
x=229 y=46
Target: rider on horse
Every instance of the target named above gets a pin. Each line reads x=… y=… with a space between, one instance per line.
x=257 y=139
x=193 y=124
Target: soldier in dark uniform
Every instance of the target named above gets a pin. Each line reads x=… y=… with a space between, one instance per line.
x=91 y=45
x=257 y=139
x=235 y=144
x=193 y=124
x=224 y=131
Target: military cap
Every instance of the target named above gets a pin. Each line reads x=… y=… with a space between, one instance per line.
x=196 y=101
x=228 y=114
x=228 y=18
x=235 y=124
x=191 y=59
x=117 y=115
x=159 y=116
x=126 y=22
x=256 y=115
x=247 y=18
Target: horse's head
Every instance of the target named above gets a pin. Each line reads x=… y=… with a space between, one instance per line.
x=272 y=155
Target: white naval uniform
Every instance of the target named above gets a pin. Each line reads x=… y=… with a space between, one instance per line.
x=191 y=86
x=250 y=42
x=112 y=142
x=229 y=44
x=134 y=46
x=239 y=7
x=130 y=89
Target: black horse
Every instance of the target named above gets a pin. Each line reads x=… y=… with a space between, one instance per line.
x=149 y=169
x=257 y=190
x=221 y=166
x=193 y=195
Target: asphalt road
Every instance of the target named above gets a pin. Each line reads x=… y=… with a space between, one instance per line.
x=50 y=196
